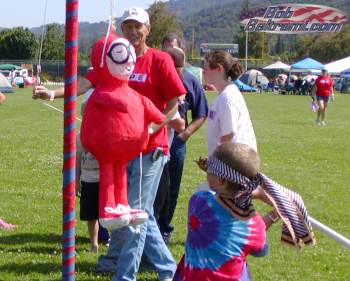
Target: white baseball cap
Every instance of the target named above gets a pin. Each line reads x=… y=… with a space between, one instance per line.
x=136 y=13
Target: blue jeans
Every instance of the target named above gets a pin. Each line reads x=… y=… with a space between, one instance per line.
x=129 y=243
x=176 y=164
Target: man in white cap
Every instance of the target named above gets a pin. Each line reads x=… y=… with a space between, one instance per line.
x=155 y=77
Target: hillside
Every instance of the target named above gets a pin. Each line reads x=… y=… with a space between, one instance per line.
x=218 y=21
x=185 y=8
x=211 y=20
x=88 y=33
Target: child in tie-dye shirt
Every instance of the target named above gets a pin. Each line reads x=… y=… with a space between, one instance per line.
x=223 y=228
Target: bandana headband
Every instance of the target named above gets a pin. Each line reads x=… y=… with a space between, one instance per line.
x=289 y=204
x=220 y=169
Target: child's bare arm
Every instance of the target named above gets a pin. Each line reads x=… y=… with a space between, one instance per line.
x=260 y=194
x=271 y=218
x=77 y=173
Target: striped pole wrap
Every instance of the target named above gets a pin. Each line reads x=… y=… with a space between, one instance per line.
x=289 y=205
x=69 y=140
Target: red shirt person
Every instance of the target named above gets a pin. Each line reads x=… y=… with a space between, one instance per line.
x=324 y=85
x=154 y=77
x=322 y=90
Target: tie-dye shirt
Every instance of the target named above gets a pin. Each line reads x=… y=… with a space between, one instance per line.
x=217 y=243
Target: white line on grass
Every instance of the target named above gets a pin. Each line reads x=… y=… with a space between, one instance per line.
x=57 y=109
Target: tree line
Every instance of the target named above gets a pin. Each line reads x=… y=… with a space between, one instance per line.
x=20 y=43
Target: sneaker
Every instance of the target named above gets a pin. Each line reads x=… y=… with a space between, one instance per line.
x=166 y=237
x=323 y=123
x=116 y=217
x=318 y=122
x=6 y=225
x=137 y=217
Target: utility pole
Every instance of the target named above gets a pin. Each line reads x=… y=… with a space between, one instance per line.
x=246 y=51
x=192 y=49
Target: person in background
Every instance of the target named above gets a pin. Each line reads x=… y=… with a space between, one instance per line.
x=173 y=40
x=298 y=85
x=195 y=101
x=228 y=117
x=2 y=98
x=176 y=125
x=322 y=91
x=87 y=188
x=4 y=224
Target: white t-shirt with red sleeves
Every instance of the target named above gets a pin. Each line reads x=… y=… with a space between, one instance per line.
x=229 y=114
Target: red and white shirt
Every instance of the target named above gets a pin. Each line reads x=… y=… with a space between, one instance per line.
x=324 y=86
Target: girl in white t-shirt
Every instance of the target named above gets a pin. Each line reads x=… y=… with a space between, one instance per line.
x=228 y=118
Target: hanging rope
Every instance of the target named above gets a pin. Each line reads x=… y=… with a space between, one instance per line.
x=111 y=18
x=38 y=67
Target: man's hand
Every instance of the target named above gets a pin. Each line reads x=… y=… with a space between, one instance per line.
x=41 y=92
x=153 y=128
x=184 y=135
x=202 y=163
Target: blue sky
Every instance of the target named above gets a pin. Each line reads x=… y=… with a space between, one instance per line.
x=30 y=13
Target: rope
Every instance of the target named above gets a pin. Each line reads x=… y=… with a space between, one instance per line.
x=41 y=45
x=111 y=17
x=140 y=184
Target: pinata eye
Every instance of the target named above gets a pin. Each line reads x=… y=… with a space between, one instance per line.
x=118 y=53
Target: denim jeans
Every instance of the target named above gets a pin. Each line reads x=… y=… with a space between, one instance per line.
x=176 y=164
x=161 y=203
x=129 y=243
x=103 y=235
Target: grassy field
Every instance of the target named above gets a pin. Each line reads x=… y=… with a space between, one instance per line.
x=312 y=160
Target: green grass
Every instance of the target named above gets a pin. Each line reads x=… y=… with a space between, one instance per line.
x=312 y=160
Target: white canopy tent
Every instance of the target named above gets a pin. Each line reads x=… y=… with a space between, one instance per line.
x=278 y=65
x=336 y=67
x=5 y=86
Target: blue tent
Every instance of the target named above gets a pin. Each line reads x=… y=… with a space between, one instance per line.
x=307 y=64
x=345 y=73
x=244 y=87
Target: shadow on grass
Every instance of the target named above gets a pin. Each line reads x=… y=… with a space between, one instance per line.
x=30 y=268
x=23 y=238
x=45 y=268
x=39 y=249
x=310 y=122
